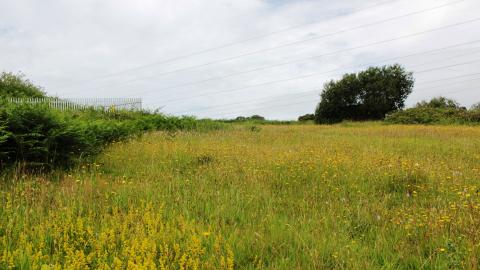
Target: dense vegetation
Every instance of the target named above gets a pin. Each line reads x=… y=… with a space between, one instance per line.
x=15 y=85
x=357 y=196
x=367 y=95
x=349 y=196
x=306 y=117
x=250 y=118
x=436 y=111
x=42 y=138
x=439 y=103
x=256 y=120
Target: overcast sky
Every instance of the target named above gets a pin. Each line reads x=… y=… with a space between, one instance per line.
x=224 y=58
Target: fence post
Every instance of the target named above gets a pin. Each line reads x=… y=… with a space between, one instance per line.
x=133 y=104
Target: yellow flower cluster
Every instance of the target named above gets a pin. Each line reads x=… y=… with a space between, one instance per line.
x=355 y=196
x=131 y=239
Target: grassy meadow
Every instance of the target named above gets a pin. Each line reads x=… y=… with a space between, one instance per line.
x=348 y=196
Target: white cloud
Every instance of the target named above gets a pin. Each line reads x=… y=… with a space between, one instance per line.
x=68 y=47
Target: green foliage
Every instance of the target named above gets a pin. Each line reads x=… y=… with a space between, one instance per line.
x=356 y=196
x=15 y=85
x=248 y=121
x=43 y=138
x=475 y=107
x=430 y=115
x=257 y=117
x=439 y=102
x=251 y=118
x=439 y=110
x=367 y=95
x=240 y=118
x=306 y=117
x=257 y=120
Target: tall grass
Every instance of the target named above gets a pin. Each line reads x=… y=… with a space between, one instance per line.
x=356 y=196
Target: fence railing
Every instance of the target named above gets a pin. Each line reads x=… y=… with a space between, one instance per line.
x=83 y=103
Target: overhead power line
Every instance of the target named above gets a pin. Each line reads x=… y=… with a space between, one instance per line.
x=318 y=91
x=310 y=92
x=314 y=57
x=305 y=76
x=462 y=90
x=276 y=47
x=265 y=107
x=230 y=44
x=297 y=94
x=307 y=59
x=310 y=101
x=335 y=53
x=450 y=78
x=261 y=84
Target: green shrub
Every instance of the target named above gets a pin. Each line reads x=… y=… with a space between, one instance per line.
x=44 y=138
x=39 y=136
x=255 y=117
x=439 y=102
x=431 y=115
x=15 y=85
x=306 y=117
x=438 y=110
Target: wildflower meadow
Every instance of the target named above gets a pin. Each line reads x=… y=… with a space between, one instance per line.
x=348 y=196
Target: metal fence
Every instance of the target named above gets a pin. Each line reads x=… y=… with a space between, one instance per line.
x=84 y=103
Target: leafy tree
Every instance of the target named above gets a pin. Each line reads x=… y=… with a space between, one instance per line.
x=15 y=85
x=306 y=117
x=439 y=103
x=257 y=117
x=367 y=95
x=241 y=118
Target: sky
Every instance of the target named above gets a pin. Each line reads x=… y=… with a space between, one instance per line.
x=229 y=58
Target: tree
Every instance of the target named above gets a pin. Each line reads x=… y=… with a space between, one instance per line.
x=476 y=107
x=15 y=85
x=306 y=117
x=241 y=118
x=439 y=103
x=257 y=117
x=251 y=118
x=367 y=95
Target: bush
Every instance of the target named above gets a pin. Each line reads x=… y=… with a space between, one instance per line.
x=306 y=117
x=438 y=110
x=39 y=136
x=240 y=118
x=439 y=102
x=15 y=85
x=257 y=117
x=43 y=138
x=251 y=118
x=429 y=115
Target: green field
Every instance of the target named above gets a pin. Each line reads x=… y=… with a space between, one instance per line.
x=348 y=196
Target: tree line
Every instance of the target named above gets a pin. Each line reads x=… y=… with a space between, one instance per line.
x=380 y=92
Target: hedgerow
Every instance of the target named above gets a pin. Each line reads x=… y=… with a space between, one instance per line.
x=429 y=115
x=43 y=138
